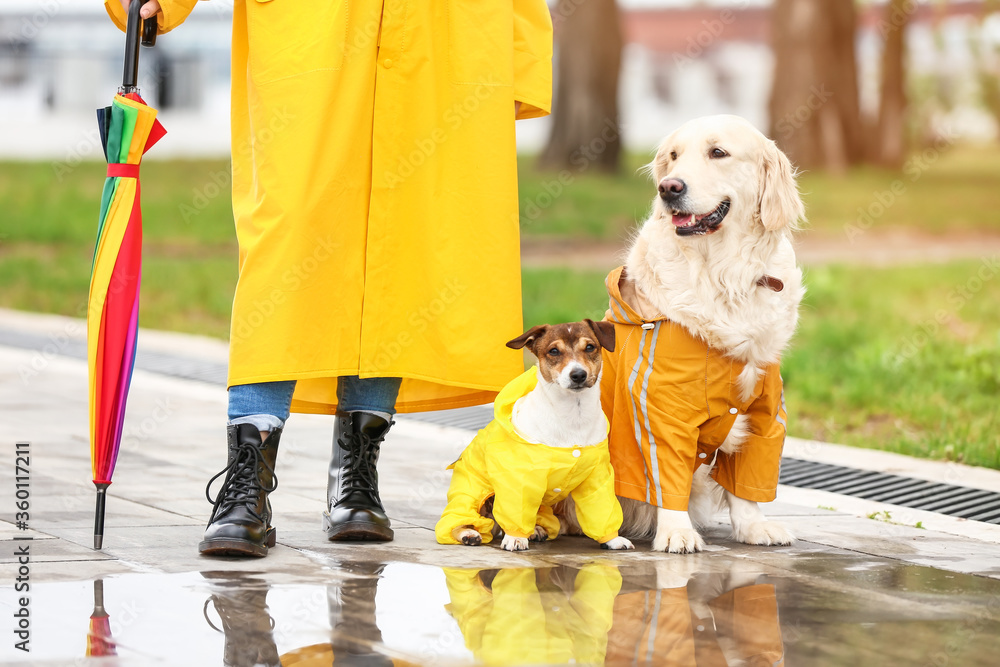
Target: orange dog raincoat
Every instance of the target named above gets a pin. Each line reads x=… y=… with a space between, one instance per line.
x=672 y=401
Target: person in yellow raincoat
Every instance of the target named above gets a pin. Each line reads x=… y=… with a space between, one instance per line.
x=374 y=194
x=672 y=401
x=526 y=479
x=524 y=616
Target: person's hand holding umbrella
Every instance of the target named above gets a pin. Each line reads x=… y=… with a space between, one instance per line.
x=148 y=10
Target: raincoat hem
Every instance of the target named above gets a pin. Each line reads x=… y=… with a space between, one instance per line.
x=668 y=501
x=332 y=373
x=479 y=394
x=752 y=493
x=309 y=408
x=530 y=109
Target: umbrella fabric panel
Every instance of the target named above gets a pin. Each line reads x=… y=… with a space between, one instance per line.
x=113 y=321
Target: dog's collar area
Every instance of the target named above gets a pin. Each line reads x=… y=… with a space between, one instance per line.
x=771 y=283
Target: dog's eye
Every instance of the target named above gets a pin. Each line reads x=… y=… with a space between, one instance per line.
x=590 y=348
x=554 y=352
x=717 y=153
x=673 y=155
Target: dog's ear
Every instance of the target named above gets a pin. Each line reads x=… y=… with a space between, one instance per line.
x=780 y=204
x=528 y=337
x=605 y=332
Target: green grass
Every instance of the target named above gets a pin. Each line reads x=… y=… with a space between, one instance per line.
x=189 y=246
x=905 y=359
x=43 y=204
x=870 y=366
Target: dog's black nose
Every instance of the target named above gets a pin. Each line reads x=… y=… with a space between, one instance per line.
x=578 y=375
x=672 y=188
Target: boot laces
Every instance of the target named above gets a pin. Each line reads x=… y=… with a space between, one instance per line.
x=242 y=484
x=360 y=473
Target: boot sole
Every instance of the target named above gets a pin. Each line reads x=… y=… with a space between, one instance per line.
x=237 y=548
x=356 y=531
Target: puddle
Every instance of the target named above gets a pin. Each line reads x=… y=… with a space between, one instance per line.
x=820 y=610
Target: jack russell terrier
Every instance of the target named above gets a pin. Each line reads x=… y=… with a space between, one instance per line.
x=548 y=442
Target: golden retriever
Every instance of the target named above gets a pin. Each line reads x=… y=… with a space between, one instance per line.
x=726 y=204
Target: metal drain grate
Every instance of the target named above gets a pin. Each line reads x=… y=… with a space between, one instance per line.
x=960 y=501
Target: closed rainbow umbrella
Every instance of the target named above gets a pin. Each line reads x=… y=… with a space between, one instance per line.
x=128 y=129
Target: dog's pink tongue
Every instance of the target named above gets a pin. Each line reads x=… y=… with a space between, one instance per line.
x=681 y=220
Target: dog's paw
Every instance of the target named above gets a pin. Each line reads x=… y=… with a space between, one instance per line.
x=764 y=533
x=678 y=541
x=514 y=543
x=540 y=535
x=470 y=538
x=617 y=543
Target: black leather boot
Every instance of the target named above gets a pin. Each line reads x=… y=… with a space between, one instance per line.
x=355 y=508
x=241 y=519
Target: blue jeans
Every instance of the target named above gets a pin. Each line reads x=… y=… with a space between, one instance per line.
x=266 y=405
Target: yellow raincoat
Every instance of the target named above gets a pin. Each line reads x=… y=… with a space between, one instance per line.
x=527 y=479
x=672 y=401
x=375 y=191
x=526 y=618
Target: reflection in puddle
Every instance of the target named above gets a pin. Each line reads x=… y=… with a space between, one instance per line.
x=245 y=620
x=516 y=616
x=354 y=633
x=100 y=643
x=643 y=611
x=563 y=615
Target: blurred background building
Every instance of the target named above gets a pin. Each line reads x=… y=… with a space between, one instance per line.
x=60 y=59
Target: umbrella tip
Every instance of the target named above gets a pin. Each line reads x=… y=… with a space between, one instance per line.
x=98 y=541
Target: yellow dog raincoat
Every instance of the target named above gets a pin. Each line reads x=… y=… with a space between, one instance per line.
x=526 y=479
x=672 y=401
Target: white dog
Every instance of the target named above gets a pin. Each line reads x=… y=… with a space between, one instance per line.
x=714 y=258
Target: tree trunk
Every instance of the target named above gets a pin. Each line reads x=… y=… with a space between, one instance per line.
x=889 y=145
x=814 y=99
x=585 y=131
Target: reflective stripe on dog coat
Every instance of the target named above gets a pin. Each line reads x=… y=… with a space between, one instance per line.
x=672 y=400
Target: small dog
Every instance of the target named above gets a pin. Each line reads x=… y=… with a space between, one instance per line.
x=547 y=441
x=704 y=307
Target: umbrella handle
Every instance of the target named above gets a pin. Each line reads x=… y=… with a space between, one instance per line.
x=133 y=36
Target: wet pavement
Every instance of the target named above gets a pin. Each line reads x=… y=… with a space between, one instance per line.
x=850 y=591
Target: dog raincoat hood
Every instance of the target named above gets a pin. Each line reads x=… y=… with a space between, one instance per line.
x=672 y=400
x=526 y=479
